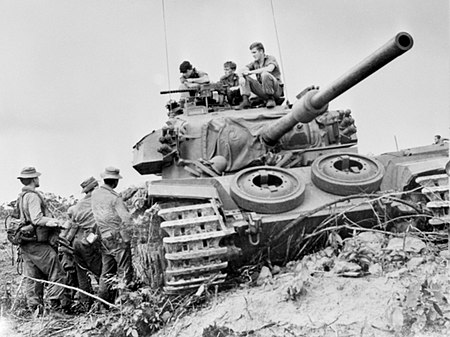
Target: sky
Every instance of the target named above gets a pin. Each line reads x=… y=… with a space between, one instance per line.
x=80 y=79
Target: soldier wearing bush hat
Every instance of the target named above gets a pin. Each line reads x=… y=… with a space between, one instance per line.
x=28 y=173
x=39 y=257
x=111 y=173
x=114 y=224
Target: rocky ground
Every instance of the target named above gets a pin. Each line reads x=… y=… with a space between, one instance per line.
x=377 y=285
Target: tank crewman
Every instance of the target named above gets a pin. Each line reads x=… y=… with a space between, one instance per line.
x=267 y=84
x=438 y=139
x=39 y=256
x=83 y=237
x=191 y=78
x=231 y=81
x=114 y=225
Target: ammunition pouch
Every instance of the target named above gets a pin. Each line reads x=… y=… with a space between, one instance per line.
x=69 y=234
x=43 y=233
x=73 y=230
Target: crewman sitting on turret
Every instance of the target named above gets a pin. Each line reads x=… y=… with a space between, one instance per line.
x=267 y=84
x=231 y=82
x=439 y=140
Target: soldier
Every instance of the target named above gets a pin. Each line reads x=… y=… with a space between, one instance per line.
x=82 y=236
x=39 y=255
x=114 y=224
x=191 y=77
x=267 y=84
x=231 y=81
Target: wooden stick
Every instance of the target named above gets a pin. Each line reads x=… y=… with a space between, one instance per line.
x=61 y=330
x=73 y=288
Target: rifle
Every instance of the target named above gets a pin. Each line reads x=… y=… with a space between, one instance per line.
x=12 y=246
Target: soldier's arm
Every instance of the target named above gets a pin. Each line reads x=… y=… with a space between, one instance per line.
x=123 y=212
x=202 y=79
x=245 y=70
x=269 y=68
x=126 y=224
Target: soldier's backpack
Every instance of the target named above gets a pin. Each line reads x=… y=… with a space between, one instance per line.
x=18 y=229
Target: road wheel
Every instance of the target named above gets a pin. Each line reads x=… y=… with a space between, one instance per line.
x=267 y=189
x=347 y=173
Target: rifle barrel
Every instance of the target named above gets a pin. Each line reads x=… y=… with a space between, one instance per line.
x=177 y=91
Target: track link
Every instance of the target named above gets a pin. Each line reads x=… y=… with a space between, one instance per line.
x=193 y=253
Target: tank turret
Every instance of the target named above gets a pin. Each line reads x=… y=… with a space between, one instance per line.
x=203 y=126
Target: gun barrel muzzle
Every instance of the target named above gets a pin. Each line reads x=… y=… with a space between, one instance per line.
x=395 y=47
x=315 y=102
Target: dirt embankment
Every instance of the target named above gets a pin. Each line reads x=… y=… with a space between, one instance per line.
x=401 y=297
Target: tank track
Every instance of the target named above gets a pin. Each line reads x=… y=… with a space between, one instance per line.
x=435 y=189
x=192 y=250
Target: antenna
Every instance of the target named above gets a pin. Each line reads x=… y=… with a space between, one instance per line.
x=165 y=40
x=396 y=143
x=279 y=50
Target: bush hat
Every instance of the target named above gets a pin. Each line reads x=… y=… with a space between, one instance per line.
x=28 y=172
x=111 y=173
x=88 y=185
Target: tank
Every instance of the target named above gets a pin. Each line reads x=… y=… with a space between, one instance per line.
x=237 y=186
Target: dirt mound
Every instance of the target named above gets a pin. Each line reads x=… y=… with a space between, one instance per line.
x=408 y=301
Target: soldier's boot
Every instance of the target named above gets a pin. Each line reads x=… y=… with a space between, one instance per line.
x=35 y=310
x=245 y=104
x=60 y=306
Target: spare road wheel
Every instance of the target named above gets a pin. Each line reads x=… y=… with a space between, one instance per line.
x=267 y=189
x=347 y=173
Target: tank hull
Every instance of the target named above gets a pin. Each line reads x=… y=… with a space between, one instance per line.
x=239 y=236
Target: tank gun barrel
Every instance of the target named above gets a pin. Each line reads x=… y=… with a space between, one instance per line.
x=315 y=102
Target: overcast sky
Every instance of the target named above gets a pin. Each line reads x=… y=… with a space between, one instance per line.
x=80 y=79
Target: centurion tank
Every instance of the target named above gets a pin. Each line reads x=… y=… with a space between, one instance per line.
x=236 y=185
